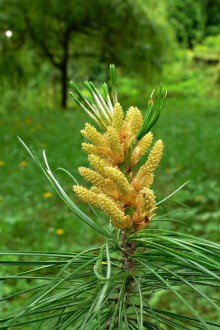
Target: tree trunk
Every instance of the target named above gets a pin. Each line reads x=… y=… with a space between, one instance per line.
x=64 y=69
x=64 y=85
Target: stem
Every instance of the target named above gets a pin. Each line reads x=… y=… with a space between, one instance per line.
x=125 y=167
x=128 y=249
x=64 y=85
x=128 y=266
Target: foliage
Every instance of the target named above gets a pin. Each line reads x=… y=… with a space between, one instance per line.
x=111 y=290
x=187 y=18
x=69 y=34
x=118 y=285
x=208 y=50
x=194 y=20
x=212 y=17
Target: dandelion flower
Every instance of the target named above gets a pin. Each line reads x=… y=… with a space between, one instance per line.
x=60 y=231
x=23 y=163
x=47 y=194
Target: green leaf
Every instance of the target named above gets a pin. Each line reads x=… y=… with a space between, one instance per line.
x=153 y=113
x=113 y=84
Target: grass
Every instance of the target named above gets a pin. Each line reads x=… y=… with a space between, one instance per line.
x=28 y=203
x=34 y=218
x=30 y=207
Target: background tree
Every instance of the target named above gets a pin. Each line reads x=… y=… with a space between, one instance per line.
x=212 y=16
x=70 y=33
x=194 y=20
x=188 y=20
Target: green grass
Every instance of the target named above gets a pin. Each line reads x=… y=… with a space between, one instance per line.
x=189 y=128
x=29 y=220
x=188 y=125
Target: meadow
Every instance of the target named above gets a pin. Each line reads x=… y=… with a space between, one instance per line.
x=34 y=218
x=56 y=272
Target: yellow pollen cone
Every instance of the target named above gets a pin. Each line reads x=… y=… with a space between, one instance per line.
x=148 y=200
x=100 y=200
x=106 y=185
x=141 y=148
x=92 y=149
x=92 y=176
x=91 y=133
x=152 y=162
x=155 y=156
x=118 y=115
x=112 y=173
x=114 y=142
x=134 y=119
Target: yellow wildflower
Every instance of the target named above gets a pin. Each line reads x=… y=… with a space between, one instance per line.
x=60 y=231
x=23 y=163
x=2 y=163
x=47 y=194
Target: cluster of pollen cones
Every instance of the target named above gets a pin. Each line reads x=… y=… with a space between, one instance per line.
x=119 y=187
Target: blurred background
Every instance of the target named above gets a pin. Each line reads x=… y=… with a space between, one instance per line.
x=44 y=45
